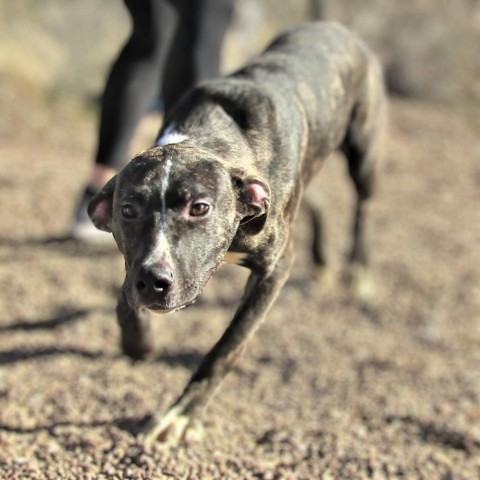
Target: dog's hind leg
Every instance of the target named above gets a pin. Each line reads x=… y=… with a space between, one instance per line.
x=363 y=147
x=322 y=270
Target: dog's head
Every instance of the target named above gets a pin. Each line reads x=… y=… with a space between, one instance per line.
x=174 y=212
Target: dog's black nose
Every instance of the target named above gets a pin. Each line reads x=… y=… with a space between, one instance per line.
x=154 y=282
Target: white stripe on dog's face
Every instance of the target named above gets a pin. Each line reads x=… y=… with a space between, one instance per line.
x=160 y=251
x=171 y=136
x=161 y=247
x=164 y=188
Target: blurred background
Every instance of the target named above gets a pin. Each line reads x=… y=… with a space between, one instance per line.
x=57 y=49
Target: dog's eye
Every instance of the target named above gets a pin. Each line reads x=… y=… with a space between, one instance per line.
x=129 y=212
x=199 y=209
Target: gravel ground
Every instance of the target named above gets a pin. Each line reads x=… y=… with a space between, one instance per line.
x=327 y=389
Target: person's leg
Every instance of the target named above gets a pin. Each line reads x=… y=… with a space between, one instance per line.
x=197 y=45
x=134 y=79
x=132 y=85
x=214 y=19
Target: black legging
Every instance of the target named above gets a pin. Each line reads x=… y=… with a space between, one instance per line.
x=174 y=44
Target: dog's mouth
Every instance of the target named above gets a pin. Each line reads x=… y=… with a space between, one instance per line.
x=161 y=305
x=162 y=309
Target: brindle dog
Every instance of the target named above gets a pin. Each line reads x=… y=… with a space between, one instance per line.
x=224 y=183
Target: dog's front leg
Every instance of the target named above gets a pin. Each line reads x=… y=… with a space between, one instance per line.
x=182 y=422
x=136 y=338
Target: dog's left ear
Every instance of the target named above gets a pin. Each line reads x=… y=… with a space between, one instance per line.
x=253 y=195
x=100 y=207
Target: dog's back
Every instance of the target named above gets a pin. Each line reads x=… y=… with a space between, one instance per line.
x=318 y=73
x=300 y=93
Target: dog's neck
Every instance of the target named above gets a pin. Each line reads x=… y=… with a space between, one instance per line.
x=212 y=130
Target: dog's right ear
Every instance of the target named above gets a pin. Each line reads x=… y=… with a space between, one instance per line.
x=100 y=207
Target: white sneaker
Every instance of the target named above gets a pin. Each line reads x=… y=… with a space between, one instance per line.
x=83 y=228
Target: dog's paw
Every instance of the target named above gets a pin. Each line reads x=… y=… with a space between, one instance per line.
x=174 y=428
x=137 y=350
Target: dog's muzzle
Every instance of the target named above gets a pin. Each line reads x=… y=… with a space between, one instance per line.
x=152 y=286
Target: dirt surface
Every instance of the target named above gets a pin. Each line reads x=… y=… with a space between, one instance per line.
x=327 y=388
